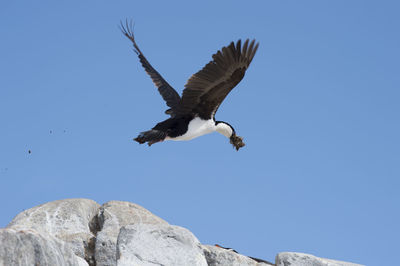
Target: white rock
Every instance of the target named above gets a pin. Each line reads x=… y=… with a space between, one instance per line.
x=158 y=244
x=67 y=220
x=222 y=257
x=81 y=262
x=28 y=247
x=112 y=216
x=301 y=259
x=80 y=232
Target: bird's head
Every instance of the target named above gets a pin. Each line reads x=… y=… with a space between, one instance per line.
x=228 y=131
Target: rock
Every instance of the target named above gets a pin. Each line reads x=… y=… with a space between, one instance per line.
x=112 y=216
x=67 y=220
x=216 y=256
x=301 y=259
x=81 y=232
x=158 y=244
x=28 y=247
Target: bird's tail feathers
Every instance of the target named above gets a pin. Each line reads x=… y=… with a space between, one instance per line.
x=151 y=137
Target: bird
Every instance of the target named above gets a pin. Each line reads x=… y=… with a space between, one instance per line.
x=193 y=114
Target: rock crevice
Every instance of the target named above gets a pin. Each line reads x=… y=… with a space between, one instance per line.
x=94 y=227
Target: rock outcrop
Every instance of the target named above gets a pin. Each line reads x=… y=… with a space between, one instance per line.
x=81 y=232
x=158 y=244
x=69 y=221
x=112 y=216
x=301 y=259
x=217 y=256
x=28 y=247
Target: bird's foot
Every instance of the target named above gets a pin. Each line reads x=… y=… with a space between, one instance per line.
x=237 y=142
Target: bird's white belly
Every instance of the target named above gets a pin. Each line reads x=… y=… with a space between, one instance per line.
x=196 y=128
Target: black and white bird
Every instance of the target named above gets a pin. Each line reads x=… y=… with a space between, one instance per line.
x=193 y=114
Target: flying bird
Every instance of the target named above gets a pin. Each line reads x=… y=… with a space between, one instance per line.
x=193 y=113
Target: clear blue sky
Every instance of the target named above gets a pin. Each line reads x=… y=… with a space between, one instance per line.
x=318 y=108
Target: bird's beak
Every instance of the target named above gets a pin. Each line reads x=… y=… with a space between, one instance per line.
x=237 y=141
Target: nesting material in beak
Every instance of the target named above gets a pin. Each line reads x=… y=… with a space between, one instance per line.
x=237 y=142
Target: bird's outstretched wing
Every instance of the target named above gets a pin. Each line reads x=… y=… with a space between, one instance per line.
x=205 y=90
x=170 y=96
